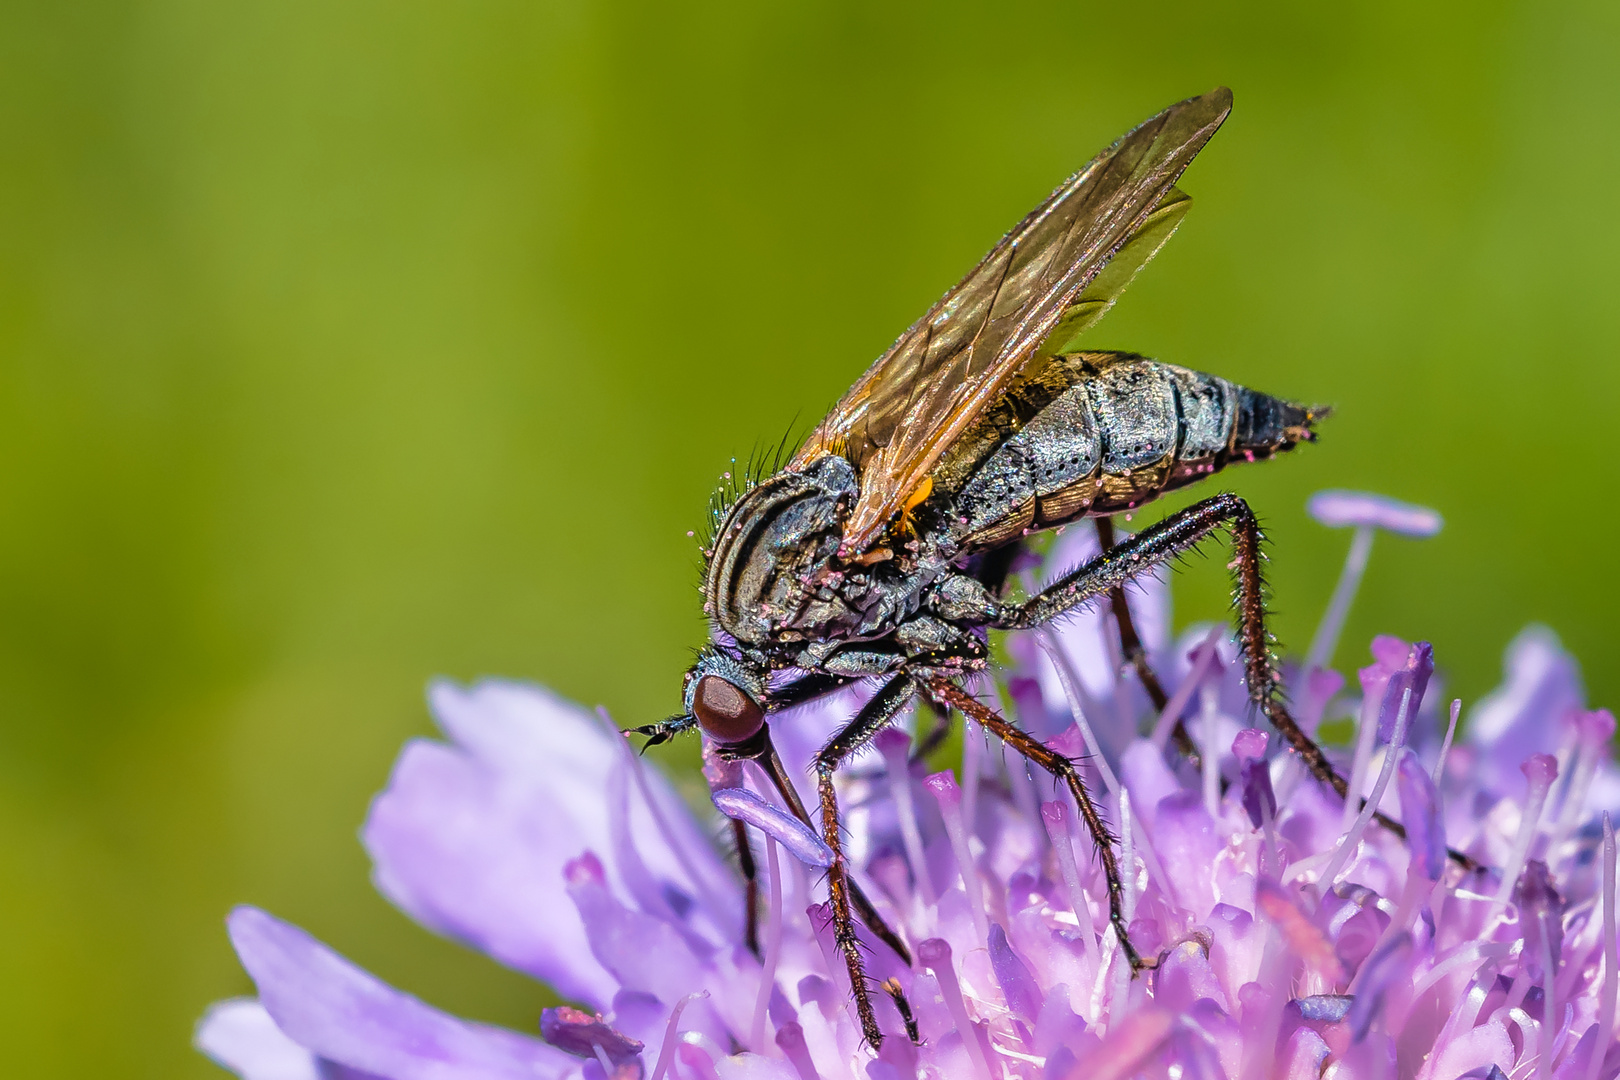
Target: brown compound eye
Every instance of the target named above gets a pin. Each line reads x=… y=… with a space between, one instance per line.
x=724 y=712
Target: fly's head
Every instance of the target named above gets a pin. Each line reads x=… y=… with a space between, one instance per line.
x=724 y=697
x=772 y=574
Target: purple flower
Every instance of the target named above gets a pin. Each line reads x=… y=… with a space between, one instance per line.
x=1294 y=936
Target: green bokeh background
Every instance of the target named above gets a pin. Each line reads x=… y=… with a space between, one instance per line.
x=344 y=344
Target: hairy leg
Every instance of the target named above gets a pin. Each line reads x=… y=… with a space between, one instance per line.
x=1130 y=646
x=750 y=874
x=761 y=751
x=873 y=717
x=1063 y=769
x=1158 y=545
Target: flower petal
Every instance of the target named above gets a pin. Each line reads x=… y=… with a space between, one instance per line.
x=340 y=1013
x=1542 y=683
x=470 y=857
x=240 y=1035
x=1420 y=813
x=471 y=839
x=1338 y=509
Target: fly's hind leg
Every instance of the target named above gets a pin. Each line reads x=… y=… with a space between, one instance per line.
x=1153 y=547
x=1062 y=769
x=1130 y=646
x=938 y=732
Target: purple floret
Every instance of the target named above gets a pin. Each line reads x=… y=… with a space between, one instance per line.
x=1294 y=937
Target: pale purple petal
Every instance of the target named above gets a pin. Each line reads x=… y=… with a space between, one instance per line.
x=775 y=822
x=1184 y=835
x=1127 y=1046
x=1382 y=970
x=341 y=1014
x=1542 y=683
x=469 y=856
x=1339 y=509
x=528 y=732
x=1541 y=913
x=1259 y=800
x=240 y=1035
x=642 y=952
x=1184 y=976
x=1145 y=775
x=1017 y=984
x=471 y=839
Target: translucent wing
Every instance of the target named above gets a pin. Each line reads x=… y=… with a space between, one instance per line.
x=1035 y=291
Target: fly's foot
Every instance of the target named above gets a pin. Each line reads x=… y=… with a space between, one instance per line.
x=664 y=730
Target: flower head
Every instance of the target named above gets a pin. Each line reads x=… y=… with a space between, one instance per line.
x=1293 y=935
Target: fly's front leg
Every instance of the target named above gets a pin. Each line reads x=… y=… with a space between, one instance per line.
x=750 y=874
x=873 y=717
x=1063 y=769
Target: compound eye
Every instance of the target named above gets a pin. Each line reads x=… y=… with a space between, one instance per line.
x=724 y=712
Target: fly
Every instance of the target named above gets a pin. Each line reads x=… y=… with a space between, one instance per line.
x=881 y=549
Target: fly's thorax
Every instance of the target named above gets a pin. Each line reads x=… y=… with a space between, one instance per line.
x=770 y=570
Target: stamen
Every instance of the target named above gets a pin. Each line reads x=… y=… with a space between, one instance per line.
x=972 y=762
x=672 y=1035
x=1445 y=747
x=1540 y=770
x=743 y=805
x=1352 y=837
x=895 y=747
x=1071 y=690
x=1366 y=739
x=1595 y=729
x=773 y=948
x=943 y=785
x=1127 y=856
x=1326 y=638
x=1203 y=654
x=1550 y=1013
x=1611 y=957
x=1207 y=716
x=1127 y=870
x=1056 y=816
x=935 y=954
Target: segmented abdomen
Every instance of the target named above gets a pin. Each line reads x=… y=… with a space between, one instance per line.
x=1108 y=432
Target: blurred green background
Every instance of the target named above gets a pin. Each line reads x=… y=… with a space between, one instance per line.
x=344 y=344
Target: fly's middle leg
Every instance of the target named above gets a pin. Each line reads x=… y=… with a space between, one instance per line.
x=1062 y=769
x=762 y=752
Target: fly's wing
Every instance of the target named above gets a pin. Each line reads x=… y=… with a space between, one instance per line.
x=1031 y=291
x=1085 y=310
